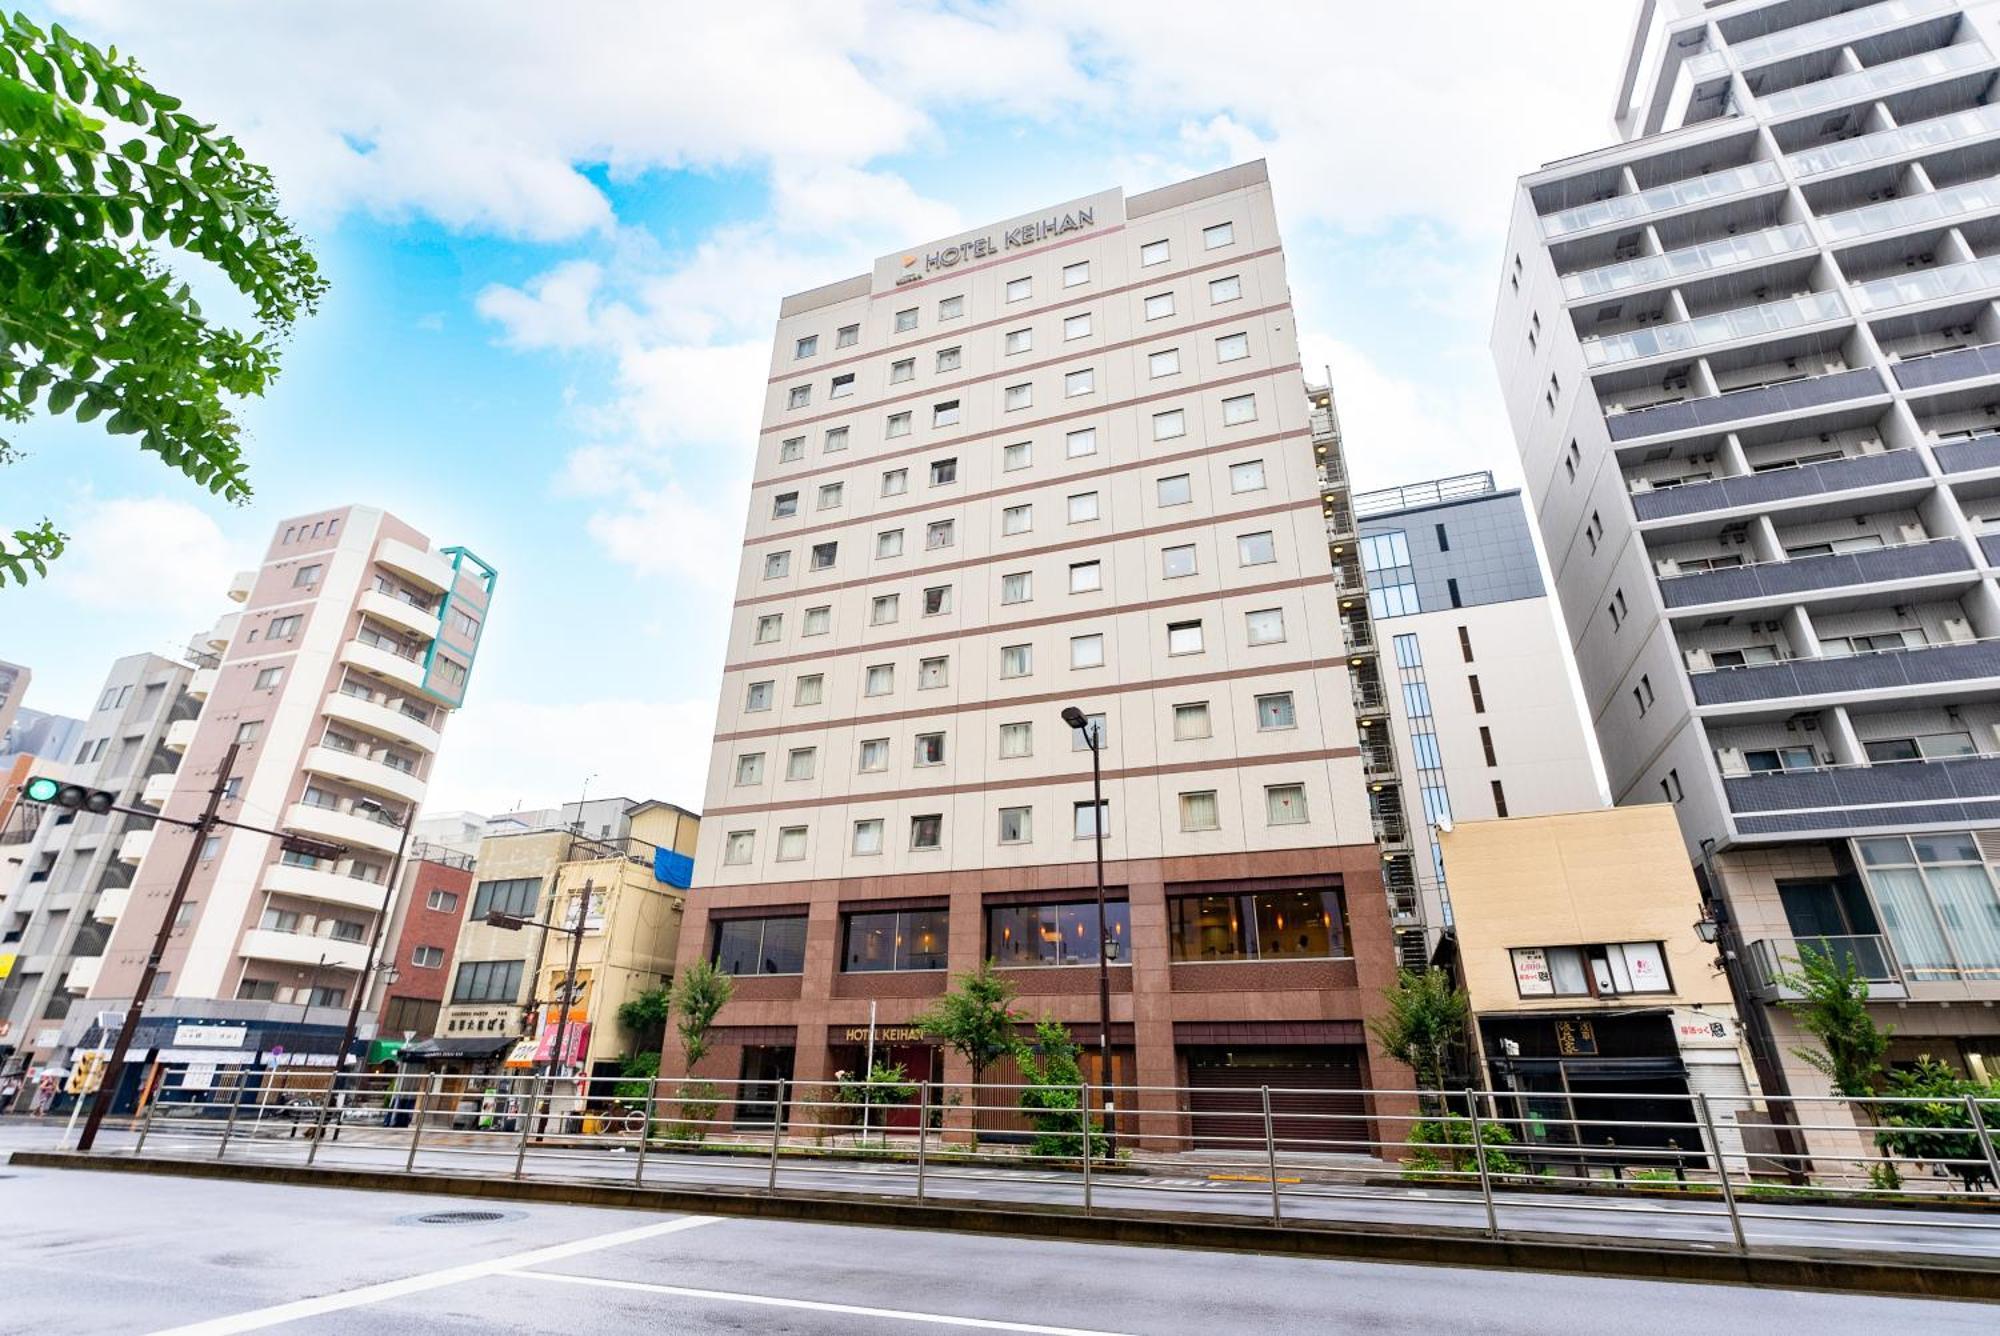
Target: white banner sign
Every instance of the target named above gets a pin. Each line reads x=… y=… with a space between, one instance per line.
x=210 y=1036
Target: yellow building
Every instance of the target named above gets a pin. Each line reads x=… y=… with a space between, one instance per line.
x=632 y=927
x=1576 y=942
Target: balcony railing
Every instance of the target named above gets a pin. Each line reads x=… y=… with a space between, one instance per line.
x=1690 y=260
x=1928 y=285
x=1974 y=452
x=1904 y=561
x=1717 y=327
x=1989 y=548
x=1890 y=144
x=1875 y=79
x=1934 y=206
x=1435 y=491
x=1776 y=961
x=1694 y=190
x=1736 y=405
x=1359 y=637
x=1838 y=27
x=1880 y=670
x=1759 y=489
x=1949 y=780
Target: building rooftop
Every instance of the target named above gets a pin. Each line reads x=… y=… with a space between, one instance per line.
x=1436 y=491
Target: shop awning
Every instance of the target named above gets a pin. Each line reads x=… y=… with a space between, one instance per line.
x=430 y=1050
x=384 y=1050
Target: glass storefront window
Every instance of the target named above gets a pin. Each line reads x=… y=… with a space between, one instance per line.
x=1265 y=925
x=1936 y=899
x=910 y=939
x=1064 y=934
x=761 y=945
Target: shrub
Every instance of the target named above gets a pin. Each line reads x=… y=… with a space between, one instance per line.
x=1443 y=1148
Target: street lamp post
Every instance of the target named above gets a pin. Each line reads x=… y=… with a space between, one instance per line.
x=1106 y=947
x=515 y=922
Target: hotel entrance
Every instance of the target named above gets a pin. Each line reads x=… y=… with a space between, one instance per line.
x=895 y=1046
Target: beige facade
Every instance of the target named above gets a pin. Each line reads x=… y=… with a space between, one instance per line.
x=475 y=1006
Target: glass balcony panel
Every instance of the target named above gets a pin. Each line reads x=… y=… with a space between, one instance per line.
x=1719 y=327
x=1775 y=963
x=1923 y=285
x=1717 y=254
x=1876 y=79
x=1839 y=27
x=1706 y=65
x=1620 y=208
x=1885 y=144
x=1933 y=207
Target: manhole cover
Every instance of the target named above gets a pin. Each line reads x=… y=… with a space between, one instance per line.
x=460 y=1217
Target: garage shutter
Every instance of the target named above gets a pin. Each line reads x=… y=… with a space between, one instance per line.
x=1312 y=1108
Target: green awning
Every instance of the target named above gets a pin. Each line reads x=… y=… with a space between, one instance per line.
x=384 y=1050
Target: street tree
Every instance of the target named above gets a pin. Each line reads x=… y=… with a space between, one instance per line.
x=976 y=1019
x=103 y=178
x=699 y=993
x=1832 y=1007
x=1423 y=1025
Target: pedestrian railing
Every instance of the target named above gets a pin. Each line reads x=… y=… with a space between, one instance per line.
x=1737 y=1172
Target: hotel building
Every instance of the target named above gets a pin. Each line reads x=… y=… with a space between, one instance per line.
x=1752 y=358
x=1065 y=460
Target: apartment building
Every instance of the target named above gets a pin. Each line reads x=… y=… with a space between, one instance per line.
x=14 y=679
x=1067 y=460
x=74 y=882
x=422 y=941
x=1752 y=359
x=1483 y=719
x=334 y=682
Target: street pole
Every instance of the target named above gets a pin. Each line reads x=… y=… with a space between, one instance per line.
x=114 y=1071
x=1103 y=930
x=568 y=999
x=367 y=970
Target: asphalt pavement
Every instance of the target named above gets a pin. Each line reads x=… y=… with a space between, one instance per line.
x=90 y=1253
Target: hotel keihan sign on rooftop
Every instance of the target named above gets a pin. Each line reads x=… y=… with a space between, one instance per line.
x=980 y=248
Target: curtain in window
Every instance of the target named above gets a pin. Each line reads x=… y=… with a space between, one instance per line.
x=1198 y=811
x=1907 y=918
x=1285 y=804
x=1971 y=913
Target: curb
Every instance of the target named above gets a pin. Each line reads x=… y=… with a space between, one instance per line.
x=1900 y=1275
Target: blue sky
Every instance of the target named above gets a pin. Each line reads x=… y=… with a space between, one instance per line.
x=557 y=236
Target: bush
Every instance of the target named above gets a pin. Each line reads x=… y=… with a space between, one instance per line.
x=1443 y=1149
x=638 y=1073
x=1936 y=1126
x=1052 y=1101
x=887 y=1086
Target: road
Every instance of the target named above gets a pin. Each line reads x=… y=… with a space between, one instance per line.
x=1243 y=1191
x=90 y=1253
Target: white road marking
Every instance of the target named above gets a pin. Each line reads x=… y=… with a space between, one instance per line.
x=259 y=1318
x=812 y=1305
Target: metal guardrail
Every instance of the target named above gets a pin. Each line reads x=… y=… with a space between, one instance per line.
x=1739 y=1172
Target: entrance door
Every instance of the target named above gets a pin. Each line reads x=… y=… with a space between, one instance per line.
x=1312 y=1108
x=757 y=1099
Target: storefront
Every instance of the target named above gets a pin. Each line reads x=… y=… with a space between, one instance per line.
x=1609 y=1080
x=1316 y=1104
x=901 y=1046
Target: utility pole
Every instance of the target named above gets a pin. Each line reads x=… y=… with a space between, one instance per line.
x=568 y=999
x=361 y=984
x=115 y=1069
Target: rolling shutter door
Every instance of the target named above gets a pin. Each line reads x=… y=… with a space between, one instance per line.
x=1311 y=1107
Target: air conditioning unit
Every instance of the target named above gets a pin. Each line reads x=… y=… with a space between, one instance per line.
x=1697 y=660
x=1957 y=630
x=1871 y=446
x=1667 y=568
x=1730 y=761
x=1675 y=383
x=1911 y=533
x=1641 y=485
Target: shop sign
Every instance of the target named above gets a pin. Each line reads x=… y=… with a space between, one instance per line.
x=981 y=248
x=1576 y=1038
x=49 y=1038
x=210 y=1036
x=1700 y=1029
x=1531 y=972
x=885 y=1034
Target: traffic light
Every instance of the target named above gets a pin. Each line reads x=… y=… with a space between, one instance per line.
x=86 y=1073
x=42 y=789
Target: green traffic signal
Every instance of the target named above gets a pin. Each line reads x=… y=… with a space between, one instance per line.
x=42 y=789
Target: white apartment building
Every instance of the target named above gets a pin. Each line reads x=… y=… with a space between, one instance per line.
x=1752 y=359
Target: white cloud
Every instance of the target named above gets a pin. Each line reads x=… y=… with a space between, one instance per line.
x=1396 y=430
x=500 y=755
x=665 y=531
x=148 y=555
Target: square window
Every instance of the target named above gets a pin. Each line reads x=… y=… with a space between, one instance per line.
x=933 y=672
x=1086 y=577
x=1086 y=651
x=818 y=621
x=843 y=385
x=811 y=689
x=945 y=414
x=750 y=768
x=1016 y=456
x=937 y=600
x=305 y=577
x=799 y=397
x=1089 y=818
x=927 y=832
x=1177 y=561
x=830 y=494
x=784 y=505
x=1239 y=409
x=882 y=611
x=1191 y=721
x=1199 y=811
x=895 y=482
x=1285 y=804
x=1159 y=306
x=268 y=678
x=1164 y=363
x=1017 y=397
x=249 y=730
x=1218 y=235
x=1080 y=443
x=1016 y=660
x=950 y=359
x=805 y=347
x=889 y=543
x=1020 y=289
x=951 y=308
x=868 y=836
x=897 y=425
x=1274 y=711
x=1093 y=726
x=1076 y=326
x=881 y=680
x=930 y=749
x=874 y=754
x=1076 y=275
x=1083 y=508
x=1232 y=347
x=1016 y=825
x=791 y=844
x=1184 y=637
x=757 y=696
x=799 y=763
x=1256 y=549
x=1176 y=489
x=1017 y=587
x=835 y=442
x=739 y=847
x=1226 y=289
x=1017 y=519
x=1247 y=476
x=944 y=471
x=906 y=320
x=1079 y=382
x=1020 y=341
x=939 y=533
x=847 y=336
x=1168 y=425
x=1266 y=626
x=1153 y=252
x=777 y=565
x=1017 y=740
x=902 y=371
x=824 y=555
x=792 y=451
x=770 y=628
